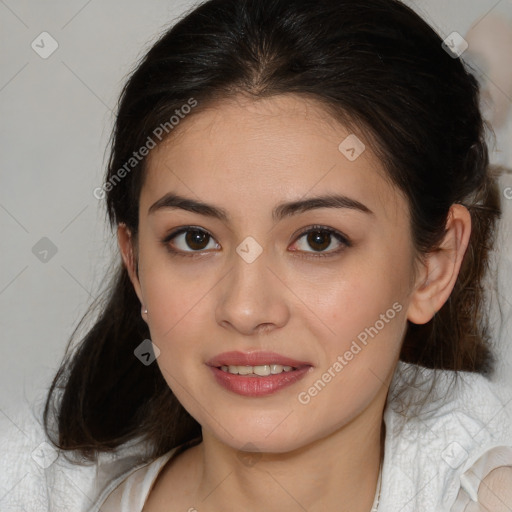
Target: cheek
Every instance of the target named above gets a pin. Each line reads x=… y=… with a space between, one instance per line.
x=369 y=322
x=175 y=316
x=368 y=326
x=171 y=290
x=364 y=294
x=366 y=311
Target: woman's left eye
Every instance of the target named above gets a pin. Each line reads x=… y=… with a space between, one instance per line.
x=320 y=238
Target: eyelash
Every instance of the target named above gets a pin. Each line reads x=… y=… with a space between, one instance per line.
x=309 y=254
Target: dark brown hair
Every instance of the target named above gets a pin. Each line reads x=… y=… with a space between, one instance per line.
x=372 y=64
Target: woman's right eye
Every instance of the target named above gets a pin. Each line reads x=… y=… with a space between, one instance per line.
x=188 y=241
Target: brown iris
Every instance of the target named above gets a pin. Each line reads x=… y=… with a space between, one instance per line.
x=196 y=239
x=319 y=240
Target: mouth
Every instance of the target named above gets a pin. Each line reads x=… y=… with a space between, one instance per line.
x=256 y=373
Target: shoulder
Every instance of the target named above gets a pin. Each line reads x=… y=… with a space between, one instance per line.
x=495 y=491
x=37 y=476
x=440 y=451
x=442 y=397
x=25 y=457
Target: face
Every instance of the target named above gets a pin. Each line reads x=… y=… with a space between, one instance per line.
x=265 y=280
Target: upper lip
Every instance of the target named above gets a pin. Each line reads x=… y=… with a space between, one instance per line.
x=254 y=359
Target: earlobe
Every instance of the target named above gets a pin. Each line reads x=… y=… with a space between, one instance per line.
x=126 y=247
x=441 y=268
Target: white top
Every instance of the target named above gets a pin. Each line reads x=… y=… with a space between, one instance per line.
x=434 y=457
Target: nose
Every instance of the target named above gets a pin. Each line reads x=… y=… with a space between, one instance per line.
x=252 y=298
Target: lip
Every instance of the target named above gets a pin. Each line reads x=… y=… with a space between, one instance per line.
x=256 y=386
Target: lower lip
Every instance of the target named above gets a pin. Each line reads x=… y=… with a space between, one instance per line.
x=258 y=386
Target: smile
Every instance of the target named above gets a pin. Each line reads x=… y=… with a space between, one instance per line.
x=256 y=374
x=257 y=371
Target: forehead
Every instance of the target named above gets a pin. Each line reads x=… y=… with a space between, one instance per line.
x=254 y=153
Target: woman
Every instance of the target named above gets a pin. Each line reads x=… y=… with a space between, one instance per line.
x=304 y=210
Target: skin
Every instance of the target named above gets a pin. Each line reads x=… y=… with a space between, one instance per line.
x=246 y=157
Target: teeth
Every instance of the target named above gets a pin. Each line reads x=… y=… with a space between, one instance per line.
x=261 y=370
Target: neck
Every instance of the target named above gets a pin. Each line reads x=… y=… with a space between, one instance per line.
x=338 y=472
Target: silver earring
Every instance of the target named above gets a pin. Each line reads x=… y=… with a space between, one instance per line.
x=145 y=310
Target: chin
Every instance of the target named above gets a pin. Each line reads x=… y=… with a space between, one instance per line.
x=269 y=434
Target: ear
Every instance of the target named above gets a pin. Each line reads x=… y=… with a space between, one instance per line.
x=126 y=245
x=440 y=269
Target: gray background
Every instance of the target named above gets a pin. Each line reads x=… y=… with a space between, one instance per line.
x=56 y=117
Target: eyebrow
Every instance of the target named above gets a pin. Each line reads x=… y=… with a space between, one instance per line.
x=281 y=211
